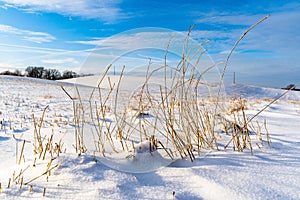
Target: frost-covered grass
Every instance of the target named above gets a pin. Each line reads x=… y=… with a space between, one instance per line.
x=271 y=172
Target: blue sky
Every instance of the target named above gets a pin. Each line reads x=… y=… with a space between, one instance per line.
x=63 y=34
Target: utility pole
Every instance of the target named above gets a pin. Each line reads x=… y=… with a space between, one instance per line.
x=233 y=77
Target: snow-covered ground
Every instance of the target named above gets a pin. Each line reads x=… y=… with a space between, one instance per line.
x=270 y=173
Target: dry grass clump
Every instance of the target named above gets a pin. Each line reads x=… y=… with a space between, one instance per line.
x=238 y=125
x=45 y=159
x=173 y=116
x=237 y=104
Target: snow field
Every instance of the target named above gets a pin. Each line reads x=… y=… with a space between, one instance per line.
x=270 y=173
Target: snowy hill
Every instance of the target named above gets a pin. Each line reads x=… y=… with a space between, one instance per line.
x=270 y=173
x=246 y=91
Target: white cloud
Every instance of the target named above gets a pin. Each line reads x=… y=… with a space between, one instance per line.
x=32 y=36
x=60 y=61
x=219 y=41
x=223 y=18
x=271 y=47
x=157 y=38
x=5 y=65
x=134 y=48
x=278 y=34
x=20 y=56
x=39 y=50
x=106 y=10
x=8 y=29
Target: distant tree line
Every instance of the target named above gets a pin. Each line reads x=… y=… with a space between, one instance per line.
x=43 y=73
x=15 y=73
x=50 y=74
x=291 y=87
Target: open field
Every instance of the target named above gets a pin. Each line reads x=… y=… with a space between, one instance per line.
x=38 y=151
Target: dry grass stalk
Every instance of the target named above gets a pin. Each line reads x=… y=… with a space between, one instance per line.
x=267 y=133
x=45 y=173
x=44 y=192
x=17 y=178
x=21 y=184
x=9 y=180
x=79 y=116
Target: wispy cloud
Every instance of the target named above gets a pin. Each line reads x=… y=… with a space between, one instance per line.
x=228 y=19
x=34 y=49
x=61 y=61
x=44 y=55
x=32 y=36
x=157 y=38
x=107 y=11
x=20 y=56
x=5 y=65
x=219 y=41
x=135 y=47
x=278 y=34
x=271 y=47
